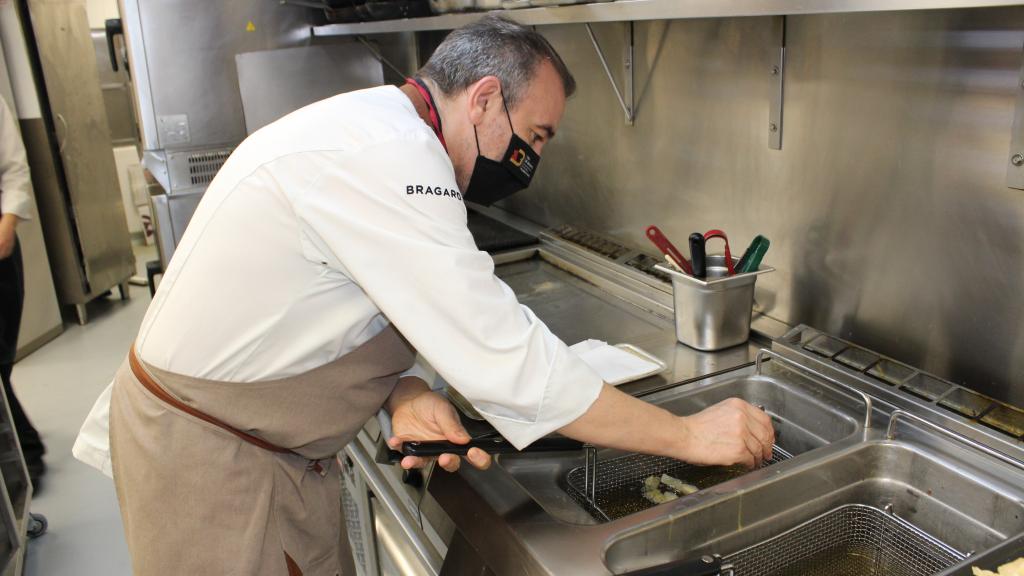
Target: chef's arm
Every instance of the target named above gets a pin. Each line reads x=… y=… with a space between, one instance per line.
x=727 y=433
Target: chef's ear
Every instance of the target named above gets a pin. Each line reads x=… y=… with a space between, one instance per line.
x=482 y=96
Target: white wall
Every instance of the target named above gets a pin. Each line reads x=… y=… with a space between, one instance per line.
x=26 y=99
x=99 y=11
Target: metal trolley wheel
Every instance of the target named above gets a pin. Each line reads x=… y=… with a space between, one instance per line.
x=37 y=525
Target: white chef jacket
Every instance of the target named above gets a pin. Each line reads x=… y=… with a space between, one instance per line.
x=15 y=183
x=322 y=228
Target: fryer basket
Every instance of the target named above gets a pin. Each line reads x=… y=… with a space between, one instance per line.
x=854 y=539
x=618 y=482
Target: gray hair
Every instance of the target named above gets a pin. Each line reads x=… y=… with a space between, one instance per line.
x=493 y=46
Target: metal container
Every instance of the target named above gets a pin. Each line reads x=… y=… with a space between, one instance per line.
x=713 y=314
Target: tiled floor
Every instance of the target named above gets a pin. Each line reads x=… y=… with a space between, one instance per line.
x=57 y=386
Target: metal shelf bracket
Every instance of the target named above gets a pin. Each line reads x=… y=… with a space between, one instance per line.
x=777 y=71
x=380 y=57
x=627 y=96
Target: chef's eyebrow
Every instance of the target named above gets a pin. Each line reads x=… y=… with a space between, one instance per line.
x=550 y=132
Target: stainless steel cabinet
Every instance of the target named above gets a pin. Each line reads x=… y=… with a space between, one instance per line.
x=181 y=54
x=86 y=223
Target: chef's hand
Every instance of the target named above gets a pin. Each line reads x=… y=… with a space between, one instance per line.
x=7 y=225
x=419 y=414
x=730 y=432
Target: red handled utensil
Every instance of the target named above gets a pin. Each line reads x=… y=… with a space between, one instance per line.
x=728 y=254
x=662 y=243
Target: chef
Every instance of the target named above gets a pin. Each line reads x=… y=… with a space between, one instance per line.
x=328 y=273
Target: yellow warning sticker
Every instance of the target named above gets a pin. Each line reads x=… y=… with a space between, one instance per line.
x=250 y=27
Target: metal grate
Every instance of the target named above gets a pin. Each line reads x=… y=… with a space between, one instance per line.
x=353 y=525
x=618 y=490
x=203 y=167
x=851 y=540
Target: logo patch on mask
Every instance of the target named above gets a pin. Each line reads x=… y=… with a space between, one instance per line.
x=518 y=155
x=432 y=191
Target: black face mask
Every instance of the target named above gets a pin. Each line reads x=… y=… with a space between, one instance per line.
x=492 y=181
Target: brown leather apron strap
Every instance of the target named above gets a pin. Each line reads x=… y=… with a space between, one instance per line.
x=293 y=568
x=157 y=390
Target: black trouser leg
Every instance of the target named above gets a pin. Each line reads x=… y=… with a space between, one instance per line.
x=12 y=296
x=28 y=436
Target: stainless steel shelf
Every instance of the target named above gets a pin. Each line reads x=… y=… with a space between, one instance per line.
x=631 y=10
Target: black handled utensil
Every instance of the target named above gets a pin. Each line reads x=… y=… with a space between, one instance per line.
x=704 y=566
x=490 y=445
x=697 y=256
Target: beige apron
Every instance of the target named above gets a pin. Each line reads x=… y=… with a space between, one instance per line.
x=198 y=499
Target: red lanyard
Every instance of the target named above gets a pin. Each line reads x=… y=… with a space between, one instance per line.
x=435 y=118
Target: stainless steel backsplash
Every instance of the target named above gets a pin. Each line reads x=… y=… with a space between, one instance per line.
x=887 y=207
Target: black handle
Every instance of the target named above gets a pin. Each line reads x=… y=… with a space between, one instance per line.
x=114 y=28
x=489 y=445
x=703 y=566
x=697 y=259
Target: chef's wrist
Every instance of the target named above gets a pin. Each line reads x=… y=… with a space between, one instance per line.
x=407 y=389
x=682 y=439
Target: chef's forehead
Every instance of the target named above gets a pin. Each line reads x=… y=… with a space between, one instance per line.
x=495 y=46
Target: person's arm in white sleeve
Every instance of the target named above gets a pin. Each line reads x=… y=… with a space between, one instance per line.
x=15 y=183
x=412 y=254
x=15 y=192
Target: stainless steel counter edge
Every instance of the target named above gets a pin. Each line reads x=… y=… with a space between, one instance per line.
x=411 y=531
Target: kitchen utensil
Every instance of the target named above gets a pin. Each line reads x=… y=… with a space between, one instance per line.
x=660 y=241
x=496 y=445
x=728 y=254
x=697 y=254
x=477 y=430
x=753 y=255
x=671 y=262
x=851 y=539
x=618 y=481
x=713 y=314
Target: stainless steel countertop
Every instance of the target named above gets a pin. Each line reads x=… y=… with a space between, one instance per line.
x=576 y=310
